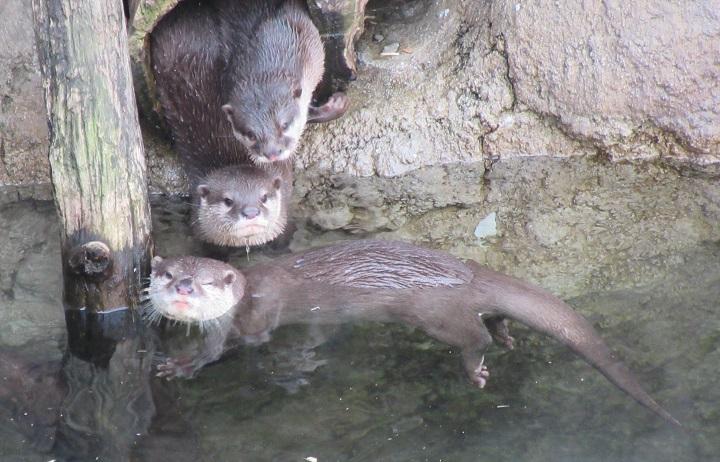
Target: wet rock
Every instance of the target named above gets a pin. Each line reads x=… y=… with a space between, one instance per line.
x=30 y=275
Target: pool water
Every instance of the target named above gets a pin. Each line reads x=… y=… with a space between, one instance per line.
x=365 y=392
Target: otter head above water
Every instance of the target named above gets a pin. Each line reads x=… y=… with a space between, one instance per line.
x=193 y=290
x=268 y=116
x=242 y=205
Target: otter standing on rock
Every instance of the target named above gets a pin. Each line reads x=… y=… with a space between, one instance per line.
x=235 y=79
x=460 y=303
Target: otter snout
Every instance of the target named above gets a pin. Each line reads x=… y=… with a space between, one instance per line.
x=184 y=287
x=273 y=154
x=250 y=212
x=278 y=148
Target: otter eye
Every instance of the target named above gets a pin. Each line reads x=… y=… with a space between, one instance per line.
x=264 y=198
x=249 y=135
x=285 y=125
x=168 y=276
x=228 y=201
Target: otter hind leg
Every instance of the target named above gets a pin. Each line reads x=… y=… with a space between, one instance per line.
x=498 y=327
x=473 y=338
x=335 y=107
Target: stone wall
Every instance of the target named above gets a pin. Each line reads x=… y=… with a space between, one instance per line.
x=538 y=137
x=23 y=121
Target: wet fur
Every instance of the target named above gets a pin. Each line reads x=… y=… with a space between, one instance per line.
x=214 y=289
x=245 y=54
x=397 y=282
x=246 y=186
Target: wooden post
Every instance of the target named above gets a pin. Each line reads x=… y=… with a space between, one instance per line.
x=96 y=152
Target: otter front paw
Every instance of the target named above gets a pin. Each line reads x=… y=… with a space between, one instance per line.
x=256 y=339
x=176 y=368
x=480 y=375
x=335 y=107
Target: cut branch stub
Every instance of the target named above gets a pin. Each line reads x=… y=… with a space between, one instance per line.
x=92 y=260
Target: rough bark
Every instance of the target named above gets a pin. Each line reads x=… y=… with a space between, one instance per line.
x=96 y=153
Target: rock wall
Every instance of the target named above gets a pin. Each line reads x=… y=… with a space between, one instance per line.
x=23 y=121
x=561 y=142
x=480 y=81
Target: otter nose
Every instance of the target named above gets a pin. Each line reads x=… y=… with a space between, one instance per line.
x=273 y=154
x=250 y=212
x=184 y=287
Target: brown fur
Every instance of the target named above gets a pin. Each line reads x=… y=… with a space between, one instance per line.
x=398 y=282
x=235 y=79
x=242 y=205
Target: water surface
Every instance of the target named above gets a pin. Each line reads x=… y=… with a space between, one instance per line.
x=366 y=392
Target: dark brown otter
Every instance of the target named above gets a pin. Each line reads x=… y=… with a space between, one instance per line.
x=397 y=282
x=235 y=79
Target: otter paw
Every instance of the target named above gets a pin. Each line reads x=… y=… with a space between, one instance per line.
x=172 y=368
x=481 y=375
x=333 y=108
x=498 y=328
x=256 y=339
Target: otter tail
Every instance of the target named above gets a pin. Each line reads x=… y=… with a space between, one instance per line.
x=546 y=313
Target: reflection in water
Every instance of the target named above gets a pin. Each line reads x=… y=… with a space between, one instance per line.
x=96 y=402
x=371 y=392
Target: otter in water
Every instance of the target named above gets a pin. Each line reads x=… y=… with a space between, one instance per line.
x=242 y=205
x=238 y=77
x=460 y=303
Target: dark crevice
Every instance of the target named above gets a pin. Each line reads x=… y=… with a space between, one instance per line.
x=498 y=46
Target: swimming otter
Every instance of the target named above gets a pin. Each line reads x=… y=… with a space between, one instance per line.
x=235 y=79
x=387 y=282
x=242 y=205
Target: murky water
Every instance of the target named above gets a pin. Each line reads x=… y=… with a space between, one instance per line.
x=366 y=392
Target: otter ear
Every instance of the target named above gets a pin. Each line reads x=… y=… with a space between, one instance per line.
x=203 y=190
x=296 y=90
x=229 y=112
x=229 y=277
x=157 y=259
x=277 y=183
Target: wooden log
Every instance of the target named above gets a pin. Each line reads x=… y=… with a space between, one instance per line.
x=96 y=151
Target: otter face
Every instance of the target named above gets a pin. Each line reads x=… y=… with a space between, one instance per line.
x=193 y=290
x=240 y=206
x=269 y=120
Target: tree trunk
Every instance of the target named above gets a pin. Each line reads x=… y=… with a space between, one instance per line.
x=96 y=152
